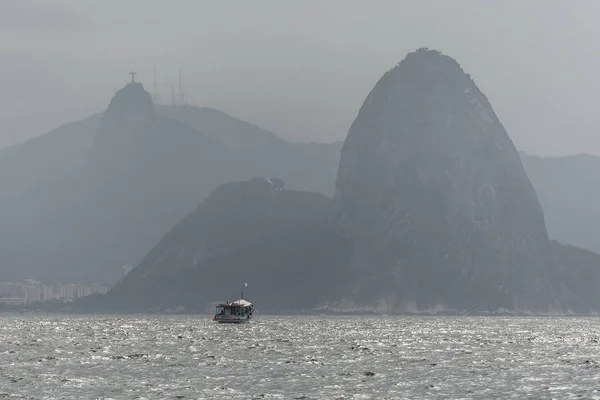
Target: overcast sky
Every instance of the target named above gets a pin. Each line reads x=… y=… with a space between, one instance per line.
x=301 y=68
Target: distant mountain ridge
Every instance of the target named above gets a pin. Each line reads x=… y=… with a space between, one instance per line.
x=569 y=191
x=88 y=197
x=565 y=184
x=433 y=213
x=75 y=206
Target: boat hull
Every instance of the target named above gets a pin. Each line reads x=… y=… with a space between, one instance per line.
x=228 y=319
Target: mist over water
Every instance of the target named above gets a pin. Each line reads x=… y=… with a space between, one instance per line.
x=151 y=357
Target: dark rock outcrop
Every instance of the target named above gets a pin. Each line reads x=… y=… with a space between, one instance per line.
x=278 y=240
x=432 y=193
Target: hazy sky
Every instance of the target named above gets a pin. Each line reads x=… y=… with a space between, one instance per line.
x=301 y=68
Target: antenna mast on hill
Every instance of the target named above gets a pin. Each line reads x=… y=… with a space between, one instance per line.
x=156 y=94
x=180 y=95
x=173 y=95
x=182 y=100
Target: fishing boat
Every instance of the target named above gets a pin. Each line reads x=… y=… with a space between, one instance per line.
x=234 y=312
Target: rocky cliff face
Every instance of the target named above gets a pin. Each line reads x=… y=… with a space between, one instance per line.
x=433 y=196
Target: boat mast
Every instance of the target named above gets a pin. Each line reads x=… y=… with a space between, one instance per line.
x=244 y=287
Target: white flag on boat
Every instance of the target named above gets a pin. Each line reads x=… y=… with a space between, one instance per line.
x=245 y=284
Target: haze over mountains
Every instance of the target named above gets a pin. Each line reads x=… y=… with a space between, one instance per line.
x=433 y=212
x=569 y=191
x=79 y=202
x=433 y=207
x=432 y=193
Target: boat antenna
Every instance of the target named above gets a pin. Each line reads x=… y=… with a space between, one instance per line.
x=244 y=287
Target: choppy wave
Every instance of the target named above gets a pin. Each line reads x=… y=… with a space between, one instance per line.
x=151 y=357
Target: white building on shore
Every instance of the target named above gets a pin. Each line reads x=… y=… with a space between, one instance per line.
x=29 y=291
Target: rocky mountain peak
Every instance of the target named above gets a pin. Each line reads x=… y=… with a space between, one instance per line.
x=129 y=107
x=433 y=195
x=128 y=121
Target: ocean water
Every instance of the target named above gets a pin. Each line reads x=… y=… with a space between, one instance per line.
x=298 y=357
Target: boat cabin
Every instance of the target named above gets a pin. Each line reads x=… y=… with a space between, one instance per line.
x=237 y=311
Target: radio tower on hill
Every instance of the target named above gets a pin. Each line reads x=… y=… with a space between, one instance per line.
x=156 y=90
x=182 y=99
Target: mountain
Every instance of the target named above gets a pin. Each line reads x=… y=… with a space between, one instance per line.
x=433 y=212
x=575 y=274
x=79 y=202
x=43 y=161
x=432 y=193
x=139 y=177
x=27 y=173
x=305 y=166
x=568 y=188
x=257 y=231
x=230 y=132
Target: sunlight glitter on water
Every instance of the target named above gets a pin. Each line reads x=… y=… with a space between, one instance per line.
x=58 y=357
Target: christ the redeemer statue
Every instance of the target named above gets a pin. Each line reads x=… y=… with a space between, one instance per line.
x=132 y=73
